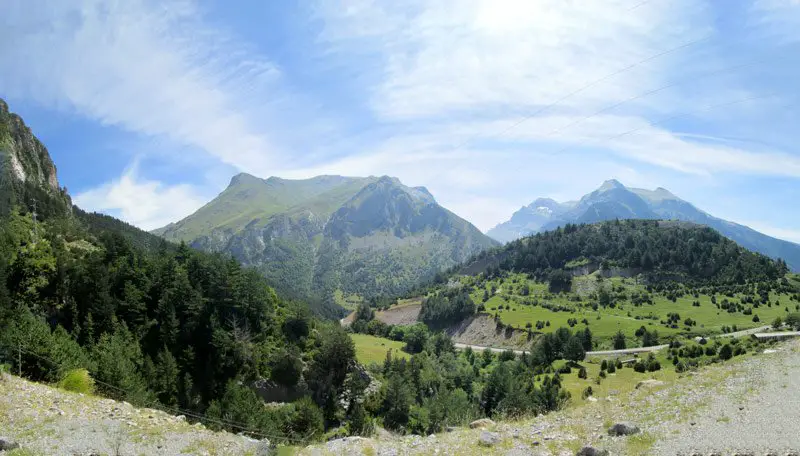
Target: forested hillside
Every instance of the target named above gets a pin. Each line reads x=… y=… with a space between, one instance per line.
x=96 y=305
x=612 y=200
x=658 y=250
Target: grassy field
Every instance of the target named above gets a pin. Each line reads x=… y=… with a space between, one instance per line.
x=349 y=302
x=518 y=301
x=371 y=349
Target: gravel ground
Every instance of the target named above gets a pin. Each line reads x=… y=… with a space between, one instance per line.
x=756 y=411
x=49 y=421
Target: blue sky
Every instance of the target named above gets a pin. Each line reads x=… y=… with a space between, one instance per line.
x=149 y=107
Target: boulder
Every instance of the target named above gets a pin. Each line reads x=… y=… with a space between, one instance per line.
x=264 y=448
x=623 y=429
x=6 y=444
x=591 y=451
x=649 y=383
x=489 y=439
x=481 y=423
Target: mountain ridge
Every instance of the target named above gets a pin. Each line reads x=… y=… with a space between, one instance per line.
x=360 y=235
x=613 y=200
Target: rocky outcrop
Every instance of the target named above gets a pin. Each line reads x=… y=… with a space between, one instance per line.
x=623 y=429
x=25 y=157
x=28 y=177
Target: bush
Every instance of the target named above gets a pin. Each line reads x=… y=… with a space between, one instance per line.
x=602 y=374
x=653 y=365
x=640 y=367
x=77 y=381
x=711 y=350
x=587 y=392
x=582 y=373
x=565 y=369
x=726 y=352
x=611 y=368
x=619 y=363
x=604 y=365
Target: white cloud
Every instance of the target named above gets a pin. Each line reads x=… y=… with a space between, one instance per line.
x=441 y=58
x=432 y=92
x=146 y=66
x=145 y=203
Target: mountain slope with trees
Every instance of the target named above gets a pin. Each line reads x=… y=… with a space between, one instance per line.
x=616 y=201
x=366 y=236
x=675 y=250
x=98 y=306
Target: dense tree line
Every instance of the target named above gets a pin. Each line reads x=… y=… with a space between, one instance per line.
x=447 y=307
x=662 y=251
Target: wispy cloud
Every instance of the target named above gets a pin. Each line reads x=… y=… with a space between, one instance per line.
x=145 y=203
x=149 y=67
x=489 y=103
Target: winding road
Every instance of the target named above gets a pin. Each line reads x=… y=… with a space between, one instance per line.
x=627 y=351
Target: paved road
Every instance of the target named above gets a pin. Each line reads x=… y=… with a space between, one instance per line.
x=627 y=351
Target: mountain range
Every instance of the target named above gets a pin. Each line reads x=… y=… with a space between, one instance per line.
x=613 y=200
x=369 y=236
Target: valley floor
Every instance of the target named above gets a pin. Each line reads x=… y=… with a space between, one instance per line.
x=749 y=405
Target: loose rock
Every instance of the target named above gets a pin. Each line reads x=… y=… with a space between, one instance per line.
x=481 y=423
x=489 y=439
x=6 y=444
x=649 y=383
x=623 y=429
x=590 y=451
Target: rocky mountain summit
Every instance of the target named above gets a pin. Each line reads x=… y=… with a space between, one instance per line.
x=613 y=200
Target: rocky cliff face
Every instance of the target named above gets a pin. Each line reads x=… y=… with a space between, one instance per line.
x=28 y=175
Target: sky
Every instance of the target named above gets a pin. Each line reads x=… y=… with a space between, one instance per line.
x=149 y=107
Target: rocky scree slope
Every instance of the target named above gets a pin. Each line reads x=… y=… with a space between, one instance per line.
x=369 y=236
x=613 y=200
x=49 y=421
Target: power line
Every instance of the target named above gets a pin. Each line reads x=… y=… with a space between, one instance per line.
x=587 y=86
x=638 y=5
x=158 y=405
x=665 y=119
x=651 y=92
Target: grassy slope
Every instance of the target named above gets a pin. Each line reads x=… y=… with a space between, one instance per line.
x=371 y=349
x=710 y=320
x=249 y=198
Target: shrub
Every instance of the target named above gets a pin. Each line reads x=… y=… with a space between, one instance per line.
x=611 y=368
x=653 y=365
x=582 y=373
x=756 y=319
x=565 y=369
x=640 y=367
x=711 y=350
x=602 y=374
x=604 y=365
x=726 y=352
x=619 y=363
x=587 y=392
x=77 y=381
